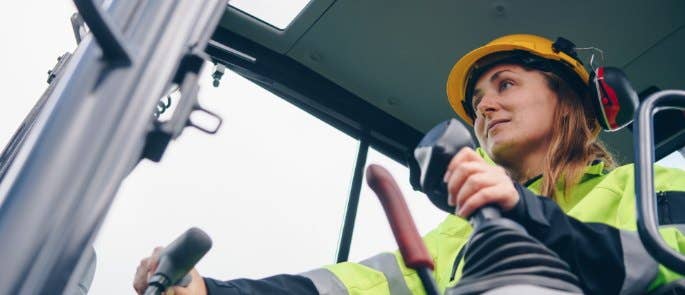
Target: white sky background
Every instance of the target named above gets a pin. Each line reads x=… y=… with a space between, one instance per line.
x=270 y=188
x=277 y=13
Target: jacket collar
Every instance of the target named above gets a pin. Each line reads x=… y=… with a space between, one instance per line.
x=595 y=168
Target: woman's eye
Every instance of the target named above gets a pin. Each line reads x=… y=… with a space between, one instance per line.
x=505 y=84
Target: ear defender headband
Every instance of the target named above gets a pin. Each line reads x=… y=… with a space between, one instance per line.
x=613 y=98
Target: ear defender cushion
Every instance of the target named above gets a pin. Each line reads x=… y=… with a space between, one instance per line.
x=615 y=100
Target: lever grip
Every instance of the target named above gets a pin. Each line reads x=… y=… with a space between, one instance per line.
x=179 y=257
x=483 y=214
x=411 y=246
x=184 y=281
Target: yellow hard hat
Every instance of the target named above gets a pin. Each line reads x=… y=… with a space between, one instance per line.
x=560 y=52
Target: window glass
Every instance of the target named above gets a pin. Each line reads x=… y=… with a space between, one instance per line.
x=372 y=234
x=270 y=190
x=675 y=160
x=276 y=13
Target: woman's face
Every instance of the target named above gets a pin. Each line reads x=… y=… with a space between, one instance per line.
x=514 y=112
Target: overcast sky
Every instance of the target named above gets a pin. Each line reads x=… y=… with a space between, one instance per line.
x=270 y=188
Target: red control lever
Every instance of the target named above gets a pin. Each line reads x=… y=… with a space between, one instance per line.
x=411 y=246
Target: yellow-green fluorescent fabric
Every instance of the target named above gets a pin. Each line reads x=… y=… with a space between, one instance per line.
x=600 y=197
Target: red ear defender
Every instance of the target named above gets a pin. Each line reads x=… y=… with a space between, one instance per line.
x=614 y=99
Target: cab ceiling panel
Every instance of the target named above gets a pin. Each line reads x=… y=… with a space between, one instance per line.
x=661 y=65
x=397 y=54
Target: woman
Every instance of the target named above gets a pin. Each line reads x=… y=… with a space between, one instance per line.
x=539 y=160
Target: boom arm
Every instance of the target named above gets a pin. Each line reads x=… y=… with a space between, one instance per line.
x=90 y=132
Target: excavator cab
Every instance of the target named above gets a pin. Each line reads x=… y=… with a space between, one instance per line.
x=247 y=96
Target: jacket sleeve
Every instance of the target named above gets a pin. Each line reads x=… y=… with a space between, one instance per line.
x=606 y=260
x=379 y=275
x=382 y=274
x=279 y=284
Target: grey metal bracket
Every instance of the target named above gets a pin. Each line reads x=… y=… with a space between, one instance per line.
x=188 y=74
x=110 y=39
x=79 y=27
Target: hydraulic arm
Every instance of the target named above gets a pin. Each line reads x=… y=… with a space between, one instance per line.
x=92 y=128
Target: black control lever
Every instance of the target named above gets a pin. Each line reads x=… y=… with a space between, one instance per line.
x=500 y=253
x=434 y=153
x=178 y=259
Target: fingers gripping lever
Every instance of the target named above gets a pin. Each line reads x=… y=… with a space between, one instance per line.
x=499 y=254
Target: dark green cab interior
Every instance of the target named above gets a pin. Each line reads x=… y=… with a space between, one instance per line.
x=377 y=69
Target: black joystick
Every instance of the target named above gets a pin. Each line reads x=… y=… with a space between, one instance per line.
x=433 y=154
x=500 y=253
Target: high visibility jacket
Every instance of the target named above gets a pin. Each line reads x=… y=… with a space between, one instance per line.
x=593 y=228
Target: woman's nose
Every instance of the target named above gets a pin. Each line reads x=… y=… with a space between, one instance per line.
x=487 y=104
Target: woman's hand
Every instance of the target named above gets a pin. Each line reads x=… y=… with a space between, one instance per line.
x=473 y=183
x=147 y=267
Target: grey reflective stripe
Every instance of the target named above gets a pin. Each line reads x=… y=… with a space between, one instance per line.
x=639 y=266
x=326 y=282
x=387 y=264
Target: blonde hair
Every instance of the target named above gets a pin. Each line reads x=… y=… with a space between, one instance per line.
x=574 y=143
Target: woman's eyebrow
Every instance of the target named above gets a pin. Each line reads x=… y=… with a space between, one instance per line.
x=478 y=93
x=496 y=75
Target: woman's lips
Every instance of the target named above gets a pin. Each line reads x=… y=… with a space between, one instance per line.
x=495 y=123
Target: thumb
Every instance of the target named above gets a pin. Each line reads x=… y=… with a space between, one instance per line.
x=196 y=286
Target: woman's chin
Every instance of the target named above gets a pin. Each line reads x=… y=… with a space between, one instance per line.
x=497 y=143
x=501 y=149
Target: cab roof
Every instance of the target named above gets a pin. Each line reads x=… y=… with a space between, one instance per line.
x=377 y=70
